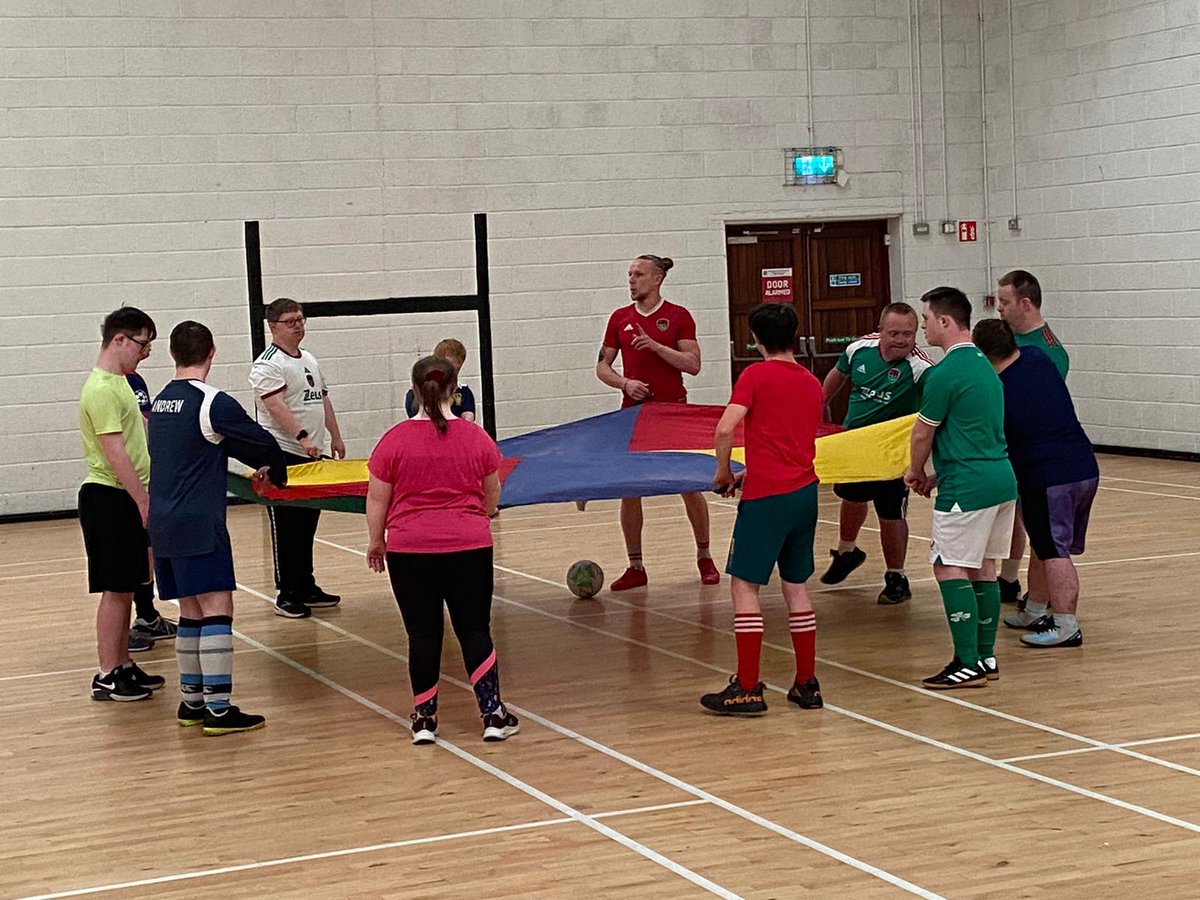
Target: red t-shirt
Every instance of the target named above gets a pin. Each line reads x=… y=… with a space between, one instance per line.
x=784 y=400
x=669 y=324
x=437 y=485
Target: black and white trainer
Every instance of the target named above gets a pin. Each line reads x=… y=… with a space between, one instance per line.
x=291 y=608
x=990 y=667
x=320 y=599
x=144 y=679
x=424 y=729
x=957 y=674
x=500 y=725
x=119 y=685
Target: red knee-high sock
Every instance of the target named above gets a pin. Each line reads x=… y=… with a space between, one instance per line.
x=803 y=627
x=748 y=633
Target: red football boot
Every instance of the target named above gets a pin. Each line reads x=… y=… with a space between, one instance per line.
x=633 y=578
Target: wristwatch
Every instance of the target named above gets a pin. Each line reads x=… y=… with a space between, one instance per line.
x=302 y=435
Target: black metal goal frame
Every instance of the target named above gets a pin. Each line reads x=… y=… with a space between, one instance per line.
x=480 y=303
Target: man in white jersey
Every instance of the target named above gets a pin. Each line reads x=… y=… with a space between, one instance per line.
x=292 y=402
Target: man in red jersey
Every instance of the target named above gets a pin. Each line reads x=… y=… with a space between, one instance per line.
x=780 y=402
x=657 y=343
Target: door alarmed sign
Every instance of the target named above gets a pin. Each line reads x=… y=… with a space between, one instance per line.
x=777 y=285
x=846 y=279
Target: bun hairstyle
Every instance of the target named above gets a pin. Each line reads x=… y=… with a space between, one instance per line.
x=434 y=380
x=664 y=264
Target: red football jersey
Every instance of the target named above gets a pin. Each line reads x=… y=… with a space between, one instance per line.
x=784 y=400
x=668 y=324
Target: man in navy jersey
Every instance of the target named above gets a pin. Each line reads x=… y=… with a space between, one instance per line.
x=194 y=429
x=148 y=625
x=1057 y=480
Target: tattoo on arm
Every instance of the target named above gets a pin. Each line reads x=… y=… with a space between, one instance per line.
x=600 y=358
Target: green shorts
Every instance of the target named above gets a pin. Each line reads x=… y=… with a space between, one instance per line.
x=770 y=530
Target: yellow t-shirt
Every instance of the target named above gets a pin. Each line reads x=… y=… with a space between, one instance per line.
x=108 y=406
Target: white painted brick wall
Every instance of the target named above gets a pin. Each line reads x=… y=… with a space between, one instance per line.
x=1107 y=113
x=136 y=136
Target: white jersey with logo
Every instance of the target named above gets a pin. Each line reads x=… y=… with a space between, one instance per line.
x=299 y=380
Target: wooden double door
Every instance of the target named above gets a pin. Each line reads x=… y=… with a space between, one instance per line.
x=835 y=274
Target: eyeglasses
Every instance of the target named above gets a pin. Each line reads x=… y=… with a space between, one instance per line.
x=145 y=345
x=293 y=322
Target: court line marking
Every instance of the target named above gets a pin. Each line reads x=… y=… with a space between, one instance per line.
x=1148 y=493
x=151 y=663
x=932 y=695
x=1186 y=487
x=41 y=575
x=513 y=781
x=1141 y=743
x=665 y=777
x=349 y=851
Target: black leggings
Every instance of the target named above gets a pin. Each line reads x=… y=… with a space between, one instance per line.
x=464 y=580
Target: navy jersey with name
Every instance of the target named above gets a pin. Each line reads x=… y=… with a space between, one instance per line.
x=463 y=401
x=194 y=429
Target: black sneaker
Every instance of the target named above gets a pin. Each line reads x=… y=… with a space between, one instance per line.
x=424 y=729
x=895 y=589
x=138 y=643
x=145 y=679
x=158 y=630
x=187 y=715
x=318 y=599
x=230 y=720
x=118 y=685
x=1010 y=591
x=291 y=608
x=956 y=675
x=735 y=700
x=843 y=564
x=498 y=726
x=807 y=695
x=990 y=667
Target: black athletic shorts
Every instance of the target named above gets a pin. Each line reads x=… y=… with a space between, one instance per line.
x=890 y=497
x=114 y=539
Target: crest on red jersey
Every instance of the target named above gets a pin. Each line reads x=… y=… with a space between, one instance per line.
x=663 y=324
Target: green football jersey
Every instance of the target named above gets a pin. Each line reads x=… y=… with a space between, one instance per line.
x=962 y=397
x=1046 y=341
x=880 y=390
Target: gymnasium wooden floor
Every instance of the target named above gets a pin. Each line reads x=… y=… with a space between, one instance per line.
x=1076 y=775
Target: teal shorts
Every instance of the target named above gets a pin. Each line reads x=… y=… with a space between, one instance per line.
x=777 y=529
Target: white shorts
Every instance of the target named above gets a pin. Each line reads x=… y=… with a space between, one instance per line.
x=967 y=538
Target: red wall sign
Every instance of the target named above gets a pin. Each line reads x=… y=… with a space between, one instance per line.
x=966 y=232
x=777 y=286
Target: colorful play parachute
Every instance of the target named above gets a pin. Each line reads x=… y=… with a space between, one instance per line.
x=643 y=451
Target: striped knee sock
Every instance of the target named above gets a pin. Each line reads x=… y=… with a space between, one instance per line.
x=803 y=628
x=216 y=660
x=187 y=655
x=485 y=681
x=748 y=634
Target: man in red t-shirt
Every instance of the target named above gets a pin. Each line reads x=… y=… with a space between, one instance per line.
x=777 y=516
x=657 y=343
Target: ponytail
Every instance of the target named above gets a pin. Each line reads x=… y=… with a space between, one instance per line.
x=434 y=380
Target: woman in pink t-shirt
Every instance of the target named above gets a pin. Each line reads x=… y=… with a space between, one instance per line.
x=434 y=485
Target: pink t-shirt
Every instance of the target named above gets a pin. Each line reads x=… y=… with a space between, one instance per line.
x=437 y=485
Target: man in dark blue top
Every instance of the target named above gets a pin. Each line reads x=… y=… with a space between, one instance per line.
x=1057 y=479
x=148 y=624
x=194 y=429
x=463 y=402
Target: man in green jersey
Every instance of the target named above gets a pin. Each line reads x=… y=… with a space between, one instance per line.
x=113 y=502
x=1019 y=302
x=961 y=419
x=884 y=371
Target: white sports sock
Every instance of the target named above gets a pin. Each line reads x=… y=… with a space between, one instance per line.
x=1066 y=625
